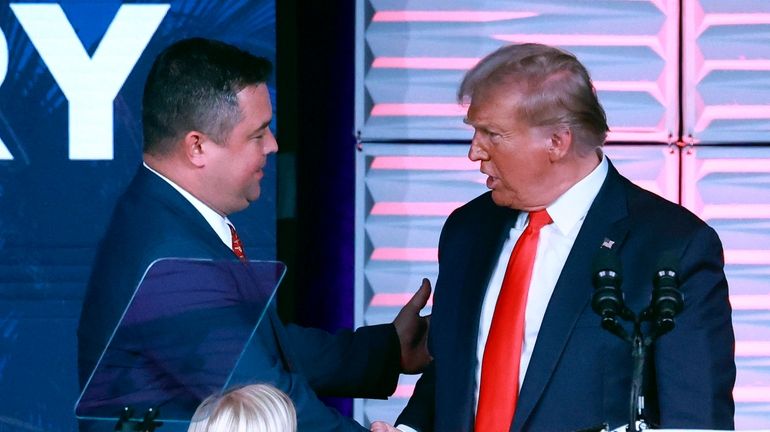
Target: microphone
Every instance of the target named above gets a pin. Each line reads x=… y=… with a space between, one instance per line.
x=607 y=300
x=667 y=300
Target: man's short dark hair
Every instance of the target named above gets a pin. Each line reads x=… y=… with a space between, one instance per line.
x=193 y=85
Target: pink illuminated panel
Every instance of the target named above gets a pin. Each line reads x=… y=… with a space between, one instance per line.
x=393 y=299
x=655 y=42
x=427 y=163
x=404 y=391
x=405 y=254
x=448 y=16
x=650 y=167
x=746 y=348
x=452 y=63
x=729 y=187
x=706 y=166
x=753 y=394
x=752 y=302
x=418 y=110
x=411 y=61
x=726 y=71
x=415 y=208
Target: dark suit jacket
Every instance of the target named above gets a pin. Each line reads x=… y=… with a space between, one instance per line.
x=151 y=221
x=579 y=375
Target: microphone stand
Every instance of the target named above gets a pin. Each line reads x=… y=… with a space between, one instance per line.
x=640 y=344
x=607 y=301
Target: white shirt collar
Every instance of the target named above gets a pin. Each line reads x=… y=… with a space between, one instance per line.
x=572 y=206
x=218 y=223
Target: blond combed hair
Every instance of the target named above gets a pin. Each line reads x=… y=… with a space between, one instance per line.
x=550 y=85
x=253 y=408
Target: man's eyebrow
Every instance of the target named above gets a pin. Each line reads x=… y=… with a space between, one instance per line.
x=264 y=125
x=481 y=125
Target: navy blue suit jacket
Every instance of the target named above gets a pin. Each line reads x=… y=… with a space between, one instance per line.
x=151 y=221
x=579 y=375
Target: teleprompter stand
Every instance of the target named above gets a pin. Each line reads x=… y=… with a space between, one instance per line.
x=181 y=338
x=148 y=423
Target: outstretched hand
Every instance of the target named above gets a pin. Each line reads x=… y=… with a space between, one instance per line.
x=380 y=426
x=412 y=330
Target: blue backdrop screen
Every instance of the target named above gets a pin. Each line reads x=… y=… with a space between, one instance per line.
x=71 y=78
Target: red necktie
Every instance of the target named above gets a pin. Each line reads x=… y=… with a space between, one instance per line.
x=499 y=390
x=237 y=246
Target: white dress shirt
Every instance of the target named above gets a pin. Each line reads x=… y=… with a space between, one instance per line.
x=220 y=224
x=555 y=244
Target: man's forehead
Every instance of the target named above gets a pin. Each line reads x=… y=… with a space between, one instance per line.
x=485 y=105
x=497 y=95
x=498 y=90
x=260 y=90
x=257 y=99
x=476 y=113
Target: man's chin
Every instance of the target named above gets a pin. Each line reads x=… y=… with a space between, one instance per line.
x=254 y=195
x=247 y=200
x=502 y=201
x=498 y=199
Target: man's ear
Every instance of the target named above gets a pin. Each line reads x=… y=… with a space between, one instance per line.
x=560 y=143
x=194 y=149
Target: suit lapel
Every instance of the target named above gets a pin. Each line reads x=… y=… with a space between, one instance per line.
x=606 y=219
x=155 y=188
x=462 y=339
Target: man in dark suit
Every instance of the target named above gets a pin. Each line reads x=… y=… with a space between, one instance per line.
x=515 y=341
x=206 y=118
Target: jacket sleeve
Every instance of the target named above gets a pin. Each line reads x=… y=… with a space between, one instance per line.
x=695 y=366
x=364 y=363
x=419 y=411
x=263 y=363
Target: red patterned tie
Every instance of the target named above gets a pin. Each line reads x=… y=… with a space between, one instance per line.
x=237 y=246
x=499 y=390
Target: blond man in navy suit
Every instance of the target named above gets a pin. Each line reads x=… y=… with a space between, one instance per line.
x=538 y=135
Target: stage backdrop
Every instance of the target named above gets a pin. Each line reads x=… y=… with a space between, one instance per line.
x=71 y=78
x=685 y=86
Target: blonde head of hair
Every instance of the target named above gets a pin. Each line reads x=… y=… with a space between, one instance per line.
x=253 y=408
x=551 y=86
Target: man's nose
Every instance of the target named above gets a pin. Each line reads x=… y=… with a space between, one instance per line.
x=476 y=152
x=271 y=144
